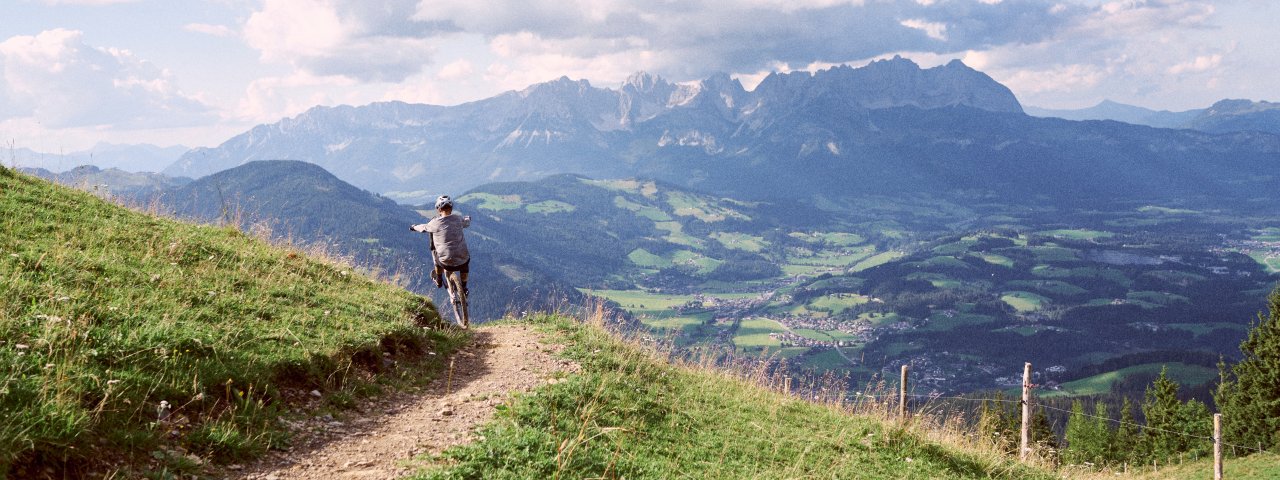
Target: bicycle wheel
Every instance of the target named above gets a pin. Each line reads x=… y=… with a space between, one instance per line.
x=458 y=296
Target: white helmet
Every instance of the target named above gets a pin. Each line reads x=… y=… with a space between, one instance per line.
x=444 y=201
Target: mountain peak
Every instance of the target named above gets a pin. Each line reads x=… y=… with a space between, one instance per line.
x=643 y=81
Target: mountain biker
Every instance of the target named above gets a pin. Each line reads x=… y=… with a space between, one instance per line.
x=448 y=247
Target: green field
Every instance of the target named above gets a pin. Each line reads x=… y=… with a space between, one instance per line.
x=754 y=332
x=549 y=206
x=740 y=241
x=837 y=303
x=1076 y=234
x=877 y=260
x=1024 y=301
x=1052 y=287
x=994 y=259
x=643 y=258
x=1184 y=374
x=677 y=236
x=489 y=201
x=1047 y=253
x=648 y=189
x=651 y=213
x=940 y=322
x=686 y=205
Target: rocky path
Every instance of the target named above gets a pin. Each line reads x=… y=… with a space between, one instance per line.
x=380 y=442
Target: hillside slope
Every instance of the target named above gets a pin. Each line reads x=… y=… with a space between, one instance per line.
x=123 y=334
x=631 y=414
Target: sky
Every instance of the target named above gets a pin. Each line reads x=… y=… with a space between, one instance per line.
x=74 y=73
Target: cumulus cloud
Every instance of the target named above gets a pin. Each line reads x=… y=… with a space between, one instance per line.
x=698 y=37
x=368 y=41
x=1118 y=50
x=60 y=81
x=207 y=29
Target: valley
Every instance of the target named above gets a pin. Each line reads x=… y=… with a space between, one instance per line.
x=962 y=298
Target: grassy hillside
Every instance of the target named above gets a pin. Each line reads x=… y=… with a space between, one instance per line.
x=631 y=414
x=127 y=336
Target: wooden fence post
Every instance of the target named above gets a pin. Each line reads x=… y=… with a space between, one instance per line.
x=902 y=396
x=1025 y=449
x=786 y=385
x=1217 y=446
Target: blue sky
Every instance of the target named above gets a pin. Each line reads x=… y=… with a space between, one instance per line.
x=77 y=72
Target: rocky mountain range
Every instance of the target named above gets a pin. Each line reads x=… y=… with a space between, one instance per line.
x=888 y=128
x=571 y=126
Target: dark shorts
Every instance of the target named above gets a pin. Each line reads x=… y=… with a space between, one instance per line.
x=464 y=268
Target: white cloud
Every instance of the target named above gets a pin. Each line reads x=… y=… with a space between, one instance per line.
x=368 y=41
x=457 y=70
x=207 y=29
x=934 y=30
x=1200 y=64
x=60 y=81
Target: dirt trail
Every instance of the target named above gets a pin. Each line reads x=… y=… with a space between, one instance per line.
x=380 y=442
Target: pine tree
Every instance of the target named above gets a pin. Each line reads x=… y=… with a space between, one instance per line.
x=1077 y=436
x=1161 y=407
x=1250 y=401
x=1101 y=437
x=1125 y=446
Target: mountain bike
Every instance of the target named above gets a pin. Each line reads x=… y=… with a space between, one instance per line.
x=455 y=284
x=458 y=297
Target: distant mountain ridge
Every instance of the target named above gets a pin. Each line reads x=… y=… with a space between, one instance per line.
x=567 y=126
x=1109 y=110
x=887 y=128
x=1224 y=116
x=129 y=158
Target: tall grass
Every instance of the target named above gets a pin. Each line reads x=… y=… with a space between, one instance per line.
x=637 y=412
x=122 y=332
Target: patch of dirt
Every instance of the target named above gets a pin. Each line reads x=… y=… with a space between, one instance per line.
x=381 y=441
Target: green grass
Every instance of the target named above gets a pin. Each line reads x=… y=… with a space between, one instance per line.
x=939 y=322
x=549 y=206
x=1052 y=287
x=651 y=213
x=677 y=236
x=1184 y=374
x=825 y=335
x=640 y=301
x=877 y=260
x=754 y=332
x=687 y=205
x=105 y=312
x=1048 y=253
x=836 y=303
x=740 y=241
x=1024 y=301
x=643 y=258
x=489 y=201
x=994 y=259
x=1076 y=234
x=1265 y=466
x=629 y=414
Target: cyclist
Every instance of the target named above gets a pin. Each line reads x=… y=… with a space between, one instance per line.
x=449 y=253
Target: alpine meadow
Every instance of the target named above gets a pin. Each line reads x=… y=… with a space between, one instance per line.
x=525 y=240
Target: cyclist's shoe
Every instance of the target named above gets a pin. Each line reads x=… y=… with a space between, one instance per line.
x=437 y=277
x=465 y=291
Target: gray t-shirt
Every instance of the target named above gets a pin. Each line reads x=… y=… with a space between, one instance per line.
x=446 y=235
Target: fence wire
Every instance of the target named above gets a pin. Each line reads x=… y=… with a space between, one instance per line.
x=1018 y=401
